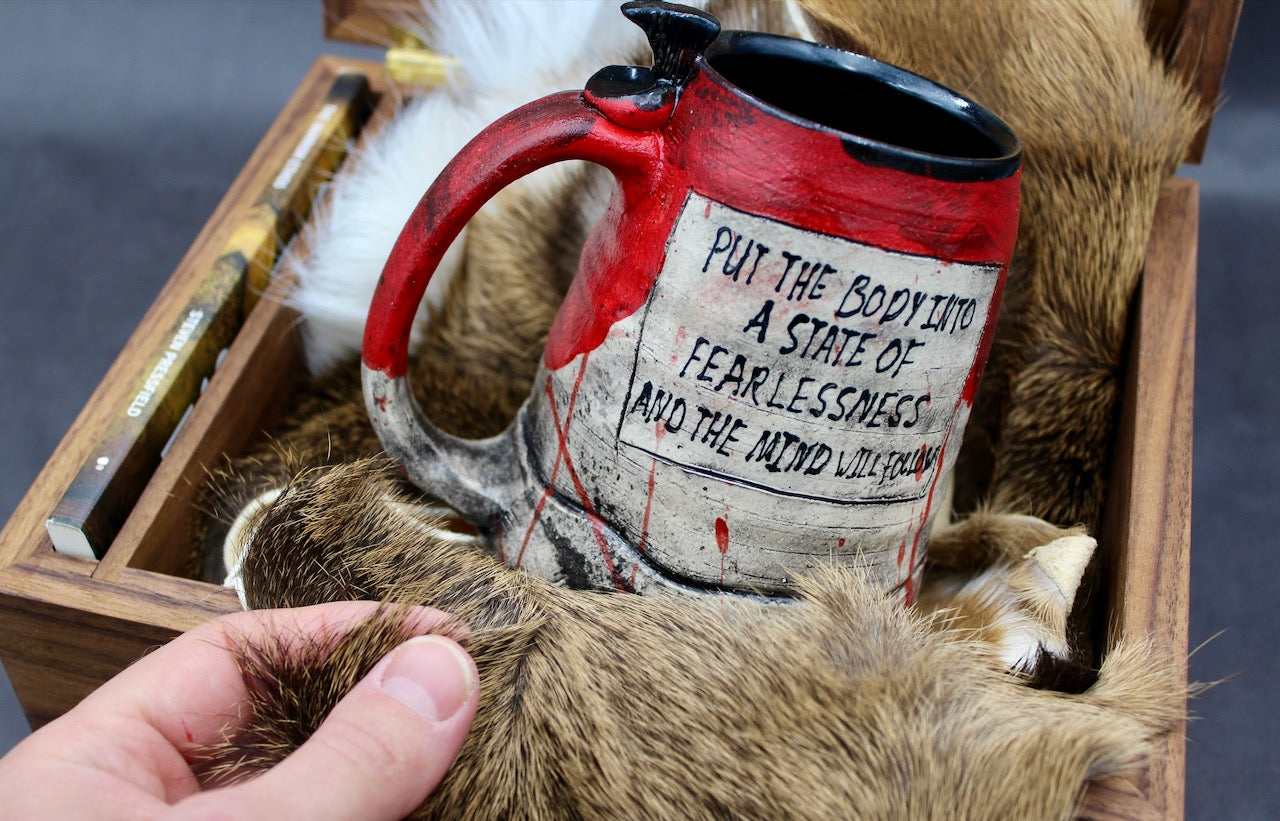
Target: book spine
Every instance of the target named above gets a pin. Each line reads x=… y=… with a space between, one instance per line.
x=104 y=491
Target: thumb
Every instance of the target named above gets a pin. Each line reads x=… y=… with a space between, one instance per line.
x=381 y=751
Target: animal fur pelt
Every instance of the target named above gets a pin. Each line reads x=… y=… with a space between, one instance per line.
x=1103 y=126
x=605 y=705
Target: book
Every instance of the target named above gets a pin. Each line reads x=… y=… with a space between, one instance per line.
x=104 y=491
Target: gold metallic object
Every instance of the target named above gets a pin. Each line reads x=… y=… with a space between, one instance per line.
x=410 y=63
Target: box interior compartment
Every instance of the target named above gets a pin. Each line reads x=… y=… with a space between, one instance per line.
x=70 y=623
x=255 y=385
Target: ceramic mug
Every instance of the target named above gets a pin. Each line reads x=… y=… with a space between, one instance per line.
x=768 y=354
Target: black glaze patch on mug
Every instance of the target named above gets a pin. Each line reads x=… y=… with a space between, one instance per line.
x=884 y=115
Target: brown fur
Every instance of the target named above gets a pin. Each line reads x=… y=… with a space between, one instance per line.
x=1103 y=126
x=603 y=704
x=606 y=705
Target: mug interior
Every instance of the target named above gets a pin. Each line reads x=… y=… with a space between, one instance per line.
x=886 y=115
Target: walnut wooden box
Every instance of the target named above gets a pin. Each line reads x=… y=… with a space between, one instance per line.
x=69 y=623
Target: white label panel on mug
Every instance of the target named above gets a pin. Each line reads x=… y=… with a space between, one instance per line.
x=812 y=366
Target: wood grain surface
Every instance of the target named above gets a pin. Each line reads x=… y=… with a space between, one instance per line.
x=67 y=624
x=1145 y=539
x=1195 y=38
x=63 y=628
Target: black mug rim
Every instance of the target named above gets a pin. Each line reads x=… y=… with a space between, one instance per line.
x=1006 y=159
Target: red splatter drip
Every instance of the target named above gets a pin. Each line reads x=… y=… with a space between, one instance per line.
x=563 y=457
x=984 y=344
x=910 y=586
x=840 y=542
x=659 y=430
x=555 y=466
x=648 y=507
x=924 y=452
x=597 y=527
x=536 y=517
x=722 y=542
x=681 y=334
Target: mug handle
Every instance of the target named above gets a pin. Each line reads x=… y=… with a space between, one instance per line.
x=478 y=477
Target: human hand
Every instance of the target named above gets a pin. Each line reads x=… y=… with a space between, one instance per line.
x=125 y=751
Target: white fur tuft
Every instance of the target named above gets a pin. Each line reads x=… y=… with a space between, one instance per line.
x=235 y=545
x=512 y=52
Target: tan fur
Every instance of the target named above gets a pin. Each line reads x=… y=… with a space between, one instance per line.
x=603 y=704
x=607 y=705
x=1019 y=607
x=1103 y=126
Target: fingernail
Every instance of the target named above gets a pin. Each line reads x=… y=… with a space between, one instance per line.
x=431 y=675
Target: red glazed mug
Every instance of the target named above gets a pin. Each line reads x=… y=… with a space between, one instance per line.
x=767 y=358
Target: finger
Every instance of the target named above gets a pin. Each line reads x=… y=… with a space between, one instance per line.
x=141 y=727
x=381 y=751
x=192 y=690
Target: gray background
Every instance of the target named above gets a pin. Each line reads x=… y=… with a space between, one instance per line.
x=124 y=122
